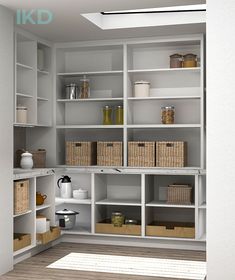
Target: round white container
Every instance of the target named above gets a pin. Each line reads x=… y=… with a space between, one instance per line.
x=21 y=114
x=80 y=194
x=141 y=89
x=26 y=160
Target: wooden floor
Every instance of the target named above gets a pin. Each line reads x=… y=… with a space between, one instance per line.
x=35 y=267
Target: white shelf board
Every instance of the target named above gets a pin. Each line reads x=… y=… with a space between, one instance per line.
x=23 y=95
x=177 y=70
x=78 y=230
x=22 y=214
x=125 y=202
x=18 y=252
x=42 y=99
x=60 y=200
x=171 y=238
x=42 y=207
x=88 y=126
x=117 y=235
x=164 y=204
x=203 y=206
x=21 y=65
x=43 y=72
x=164 y=126
x=25 y=124
x=91 y=99
x=90 y=73
x=163 y=97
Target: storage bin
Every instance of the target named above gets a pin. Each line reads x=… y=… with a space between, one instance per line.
x=21 y=196
x=179 y=194
x=46 y=237
x=171 y=154
x=141 y=154
x=81 y=153
x=171 y=229
x=109 y=153
x=21 y=240
x=105 y=226
x=39 y=157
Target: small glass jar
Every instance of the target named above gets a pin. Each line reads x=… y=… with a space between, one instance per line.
x=176 y=60
x=21 y=114
x=84 y=88
x=190 y=60
x=117 y=219
x=119 y=115
x=168 y=114
x=107 y=115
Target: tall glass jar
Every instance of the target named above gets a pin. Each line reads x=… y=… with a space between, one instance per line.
x=168 y=114
x=107 y=115
x=84 y=88
x=119 y=115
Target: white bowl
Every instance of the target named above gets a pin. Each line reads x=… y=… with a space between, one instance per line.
x=80 y=194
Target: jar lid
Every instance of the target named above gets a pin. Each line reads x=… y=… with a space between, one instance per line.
x=21 y=108
x=80 y=190
x=26 y=154
x=176 y=55
x=168 y=107
x=119 y=107
x=190 y=55
x=66 y=212
x=142 y=82
x=71 y=85
x=107 y=107
x=84 y=79
x=117 y=214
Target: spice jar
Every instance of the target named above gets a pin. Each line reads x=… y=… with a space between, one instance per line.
x=117 y=219
x=176 y=60
x=119 y=115
x=190 y=60
x=84 y=88
x=107 y=115
x=21 y=114
x=168 y=114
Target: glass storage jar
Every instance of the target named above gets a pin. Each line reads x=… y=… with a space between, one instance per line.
x=107 y=115
x=117 y=219
x=168 y=114
x=190 y=60
x=176 y=60
x=84 y=88
x=21 y=114
x=119 y=115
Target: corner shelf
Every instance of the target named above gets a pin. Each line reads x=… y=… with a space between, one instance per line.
x=42 y=207
x=91 y=99
x=124 y=202
x=164 y=204
x=194 y=69
x=88 y=126
x=90 y=73
x=22 y=214
x=59 y=201
x=163 y=97
x=23 y=95
x=145 y=126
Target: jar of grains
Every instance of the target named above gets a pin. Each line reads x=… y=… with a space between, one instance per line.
x=168 y=114
x=117 y=219
x=84 y=88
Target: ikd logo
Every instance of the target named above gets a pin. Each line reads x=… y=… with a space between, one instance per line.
x=38 y=16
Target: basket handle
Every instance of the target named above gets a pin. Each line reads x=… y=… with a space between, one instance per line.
x=141 y=144
x=170 y=227
x=78 y=144
x=169 y=144
x=109 y=145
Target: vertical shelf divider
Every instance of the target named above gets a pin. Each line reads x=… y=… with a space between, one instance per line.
x=196 y=198
x=125 y=136
x=143 y=212
x=93 y=203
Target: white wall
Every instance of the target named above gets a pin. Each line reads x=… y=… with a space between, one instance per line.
x=221 y=139
x=6 y=139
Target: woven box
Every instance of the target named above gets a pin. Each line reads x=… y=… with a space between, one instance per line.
x=46 y=237
x=21 y=196
x=81 y=153
x=39 y=158
x=109 y=153
x=21 y=240
x=171 y=154
x=179 y=194
x=141 y=154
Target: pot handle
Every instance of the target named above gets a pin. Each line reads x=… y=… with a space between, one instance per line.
x=44 y=196
x=58 y=182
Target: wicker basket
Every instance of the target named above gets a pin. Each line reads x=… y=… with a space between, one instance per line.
x=171 y=154
x=141 y=154
x=39 y=158
x=81 y=153
x=179 y=194
x=21 y=196
x=109 y=153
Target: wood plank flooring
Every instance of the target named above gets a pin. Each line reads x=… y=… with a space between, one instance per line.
x=35 y=267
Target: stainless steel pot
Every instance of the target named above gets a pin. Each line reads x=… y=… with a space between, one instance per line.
x=67 y=218
x=71 y=91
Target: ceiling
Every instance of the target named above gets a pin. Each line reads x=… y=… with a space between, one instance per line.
x=68 y=24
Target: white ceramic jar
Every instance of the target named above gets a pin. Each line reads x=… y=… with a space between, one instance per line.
x=21 y=114
x=26 y=160
x=141 y=89
x=80 y=194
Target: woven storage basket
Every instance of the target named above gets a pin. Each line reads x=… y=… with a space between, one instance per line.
x=171 y=154
x=141 y=154
x=39 y=158
x=179 y=194
x=21 y=196
x=109 y=153
x=81 y=153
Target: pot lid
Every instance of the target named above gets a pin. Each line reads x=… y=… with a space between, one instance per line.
x=80 y=190
x=71 y=85
x=142 y=82
x=26 y=154
x=66 y=212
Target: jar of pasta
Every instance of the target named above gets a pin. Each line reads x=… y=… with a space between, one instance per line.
x=168 y=114
x=84 y=88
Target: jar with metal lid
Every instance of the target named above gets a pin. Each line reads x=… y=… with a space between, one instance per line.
x=71 y=91
x=107 y=115
x=84 y=87
x=190 y=60
x=21 y=114
x=117 y=219
x=168 y=114
x=119 y=115
x=176 y=60
x=142 y=88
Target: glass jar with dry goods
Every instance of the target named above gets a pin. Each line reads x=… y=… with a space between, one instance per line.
x=117 y=219
x=176 y=60
x=84 y=88
x=190 y=60
x=107 y=115
x=21 y=114
x=168 y=114
x=119 y=115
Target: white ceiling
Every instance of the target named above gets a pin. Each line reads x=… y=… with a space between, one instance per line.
x=69 y=25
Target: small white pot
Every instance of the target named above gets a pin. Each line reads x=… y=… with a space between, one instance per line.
x=80 y=194
x=26 y=160
x=142 y=89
